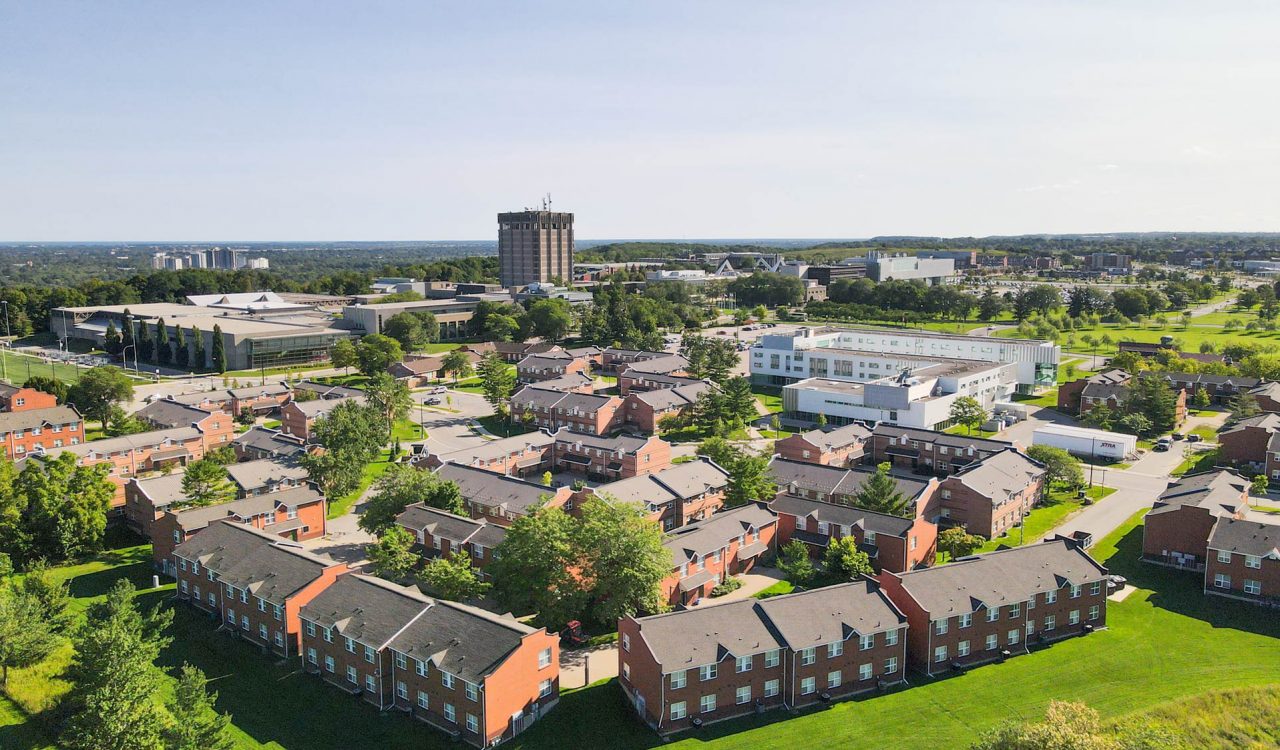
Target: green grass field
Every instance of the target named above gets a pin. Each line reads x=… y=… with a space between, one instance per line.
x=1164 y=643
x=1190 y=338
x=1057 y=506
x=18 y=367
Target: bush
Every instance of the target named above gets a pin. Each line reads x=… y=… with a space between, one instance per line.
x=730 y=584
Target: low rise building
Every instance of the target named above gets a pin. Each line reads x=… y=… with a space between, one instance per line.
x=832 y=484
x=830 y=446
x=1175 y=532
x=550 y=366
x=298 y=417
x=989 y=607
x=675 y=496
x=579 y=412
x=698 y=666
x=498 y=498
x=893 y=543
x=635 y=381
x=21 y=398
x=33 y=431
x=165 y=414
x=266 y=475
x=992 y=496
x=929 y=451
x=614 y=360
x=260 y=443
x=1220 y=388
x=296 y=514
x=644 y=409
x=1246 y=442
x=1243 y=560
x=439 y=533
x=707 y=552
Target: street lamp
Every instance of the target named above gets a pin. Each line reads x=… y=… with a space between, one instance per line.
x=124 y=355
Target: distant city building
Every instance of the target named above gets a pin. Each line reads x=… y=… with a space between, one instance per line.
x=932 y=271
x=1113 y=264
x=535 y=246
x=219 y=258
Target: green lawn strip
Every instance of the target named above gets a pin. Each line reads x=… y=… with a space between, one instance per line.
x=959 y=429
x=1206 y=433
x=1047 y=400
x=18 y=731
x=1063 y=377
x=272 y=424
x=1189 y=338
x=368 y=476
x=1056 y=507
x=777 y=589
x=18 y=367
x=260 y=373
x=771 y=400
x=1196 y=463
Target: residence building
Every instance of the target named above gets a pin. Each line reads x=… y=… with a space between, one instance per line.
x=1267 y=396
x=675 y=496
x=258 y=443
x=439 y=533
x=614 y=360
x=296 y=514
x=893 y=543
x=840 y=486
x=165 y=414
x=633 y=380
x=1071 y=395
x=498 y=498
x=644 y=409
x=1246 y=442
x=1243 y=560
x=929 y=451
x=829 y=446
x=298 y=417
x=1175 y=532
x=991 y=496
x=707 y=552
x=579 y=412
x=1221 y=388
x=550 y=366
x=20 y=398
x=25 y=431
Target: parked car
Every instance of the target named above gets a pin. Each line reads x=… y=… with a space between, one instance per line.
x=431 y=401
x=1194 y=438
x=1177 y=436
x=1163 y=444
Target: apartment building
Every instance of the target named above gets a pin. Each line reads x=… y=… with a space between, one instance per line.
x=550 y=366
x=298 y=417
x=28 y=431
x=20 y=398
x=832 y=484
x=633 y=379
x=892 y=542
x=254 y=582
x=439 y=533
x=1175 y=532
x=478 y=677
x=929 y=451
x=1243 y=560
x=262 y=443
x=644 y=409
x=780 y=359
x=829 y=446
x=993 y=606
x=579 y=412
x=698 y=666
x=614 y=360
x=166 y=414
x=1221 y=388
x=1247 y=442
x=1267 y=396
x=706 y=552
x=609 y=458
x=498 y=498
x=675 y=496
x=990 y=497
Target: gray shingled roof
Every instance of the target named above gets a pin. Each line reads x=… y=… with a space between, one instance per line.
x=564 y=437
x=1000 y=475
x=663 y=365
x=843 y=515
x=830 y=439
x=461 y=640
x=364 y=608
x=494 y=449
x=166 y=413
x=1248 y=537
x=201 y=397
x=251 y=475
x=566 y=382
x=685 y=480
x=1000 y=578
x=326 y=390
x=1269 y=421
x=161 y=490
x=833 y=479
x=1270 y=389
x=703 y=537
x=670 y=398
x=420 y=517
x=191 y=519
x=494 y=490
x=256 y=391
x=11 y=421
x=1105 y=391
x=939 y=438
x=131 y=442
x=1219 y=491
x=274 y=441
x=274 y=571
x=833 y=613
x=320 y=408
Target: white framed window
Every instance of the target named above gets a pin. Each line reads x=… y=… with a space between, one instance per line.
x=1095 y=588
x=742 y=664
x=544 y=658
x=368 y=654
x=310 y=628
x=1222 y=580
x=328 y=664
x=423 y=700
x=352 y=677
x=370 y=684
x=1050 y=622
x=1073 y=617
x=965 y=620
x=351 y=645
x=1093 y=612
x=707 y=703
x=890 y=637
x=1014 y=611
x=420 y=667
x=867 y=642
x=277 y=612
x=472 y=691
x=940 y=626
x=772 y=658
x=891 y=664
x=743 y=694
x=993 y=642
x=262 y=632
x=1252 y=587
x=677 y=710
x=544 y=688
x=707 y=672
x=402 y=690
x=1224 y=556
x=834 y=679
x=311 y=656
x=808 y=686
x=450 y=713
x=834 y=649
x=808 y=655
x=446 y=679
x=1253 y=561
x=1075 y=592
x=402 y=661
x=940 y=654
x=473 y=724
x=1014 y=636
x=679 y=679
x=770 y=688
x=262 y=603
x=244 y=622
x=962 y=648
x=864 y=671
x=993 y=614
x=626 y=641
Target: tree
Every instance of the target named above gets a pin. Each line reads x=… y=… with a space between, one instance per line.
x=120 y=422
x=709 y=358
x=822 y=420
x=750 y=481
x=457 y=364
x=1243 y=406
x=546 y=478
x=63 y=507
x=392 y=555
x=406 y=328
x=1041 y=298
x=51 y=386
x=402 y=485
x=219 y=351
x=550 y=319
x=990 y=306
x=144 y=348
x=1060 y=466
x=98 y=389
x=206 y=482
x=1201 y=399
x=622 y=557
x=1075 y=726
x=430 y=326
x=1135 y=423
x=390 y=397
x=343 y=355
x=196 y=723
x=115 y=688
x=533 y=571
x=111 y=343
x=497 y=380
x=351 y=436
x=775 y=424
x=844 y=560
x=1259 y=485
x=181 y=354
x=1152 y=398
x=794 y=562
x=26 y=635
x=957 y=542
x=879 y=492
x=375 y=353
x=127 y=333
x=224 y=456
x=453 y=577
x=162 y=350
x=199 y=359
x=500 y=327
x=968 y=411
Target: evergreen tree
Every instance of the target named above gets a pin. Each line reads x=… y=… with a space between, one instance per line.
x=206 y=482
x=162 y=351
x=145 y=349
x=26 y=636
x=127 y=338
x=199 y=360
x=219 y=352
x=181 y=355
x=879 y=492
x=196 y=724
x=111 y=341
x=794 y=562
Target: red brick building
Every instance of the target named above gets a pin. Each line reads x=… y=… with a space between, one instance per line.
x=645 y=409
x=477 y=676
x=439 y=533
x=893 y=543
x=988 y=607
x=579 y=412
x=699 y=666
x=1221 y=388
x=1245 y=443
x=17 y=398
x=609 y=458
x=707 y=552
x=498 y=498
x=259 y=399
x=930 y=452
x=1267 y=395
x=613 y=360
x=1070 y=394
x=990 y=497
x=836 y=446
x=832 y=484
x=550 y=366
x=166 y=414
x=673 y=497
x=297 y=417
x=36 y=430
x=1175 y=532
x=254 y=582
x=636 y=379
x=1244 y=559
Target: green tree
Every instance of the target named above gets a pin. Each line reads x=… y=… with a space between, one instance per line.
x=533 y=571
x=206 y=482
x=406 y=328
x=219 y=351
x=1060 y=466
x=351 y=435
x=162 y=350
x=990 y=306
x=879 y=492
x=822 y=420
x=26 y=636
x=402 y=485
x=457 y=364
x=957 y=542
x=51 y=386
x=843 y=559
x=225 y=455
x=1243 y=406
x=1259 y=484
x=968 y=411
x=453 y=577
x=1150 y=397
x=111 y=342
x=794 y=562
x=497 y=380
x=709 y=358
x=98 y=390
x=195 y=722
x=199 y=358
x=52 y=594
x=622 y=559
x=392 y=555
x=390 y=397
x=120 y=422
x=65 y=513
x=376 y=352
x=1200 y=399
x=343 y=355
x=500 y=327
x=181 y=354
x=550 y=319
x=114 y=702
x=145 y=348
x=1075 y=726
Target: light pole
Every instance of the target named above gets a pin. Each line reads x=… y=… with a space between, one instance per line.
x=124 y=355
x=4 y=358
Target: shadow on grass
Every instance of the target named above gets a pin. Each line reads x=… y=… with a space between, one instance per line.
x=90 y=585
x=1183 y=592
x=25 y=736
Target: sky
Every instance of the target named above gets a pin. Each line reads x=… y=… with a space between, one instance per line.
x=273 y=121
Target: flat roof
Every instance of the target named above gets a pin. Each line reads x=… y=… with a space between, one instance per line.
x=1070 y=431
x=912 y=332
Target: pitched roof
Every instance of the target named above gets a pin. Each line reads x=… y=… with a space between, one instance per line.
x=274 y=441
x=1269 y=389
x=251 y=475
x=166 y=413
x=161 y=490
x=842 y=515
x=495 y=449
x=661 y=399
x=201 y=397
x=1196 y=378
x=624 y=444
x=1221 y=492
x=256 y=391
x=569 y=381
x=420 y=517
x=274 y=571
x=666 y=364
x=1000 y=475
x=151 y=439
x=326 y=390
x=320 y=408
x=364 y=608
x=835 y=438
x=192 y=519
x=829 y=480
x=494 y=490
x=1269 y=421
x=996 y=579
x=1113 y=376
x=462 y=640
x=11 y=421
x=1105 y=391
x=832 y=613
x=1248 y=537
x=686 y=480
x=938 y=438
x=703 y=537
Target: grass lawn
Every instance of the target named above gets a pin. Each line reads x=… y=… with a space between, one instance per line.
x=270 y=371
x=503 y=428
x=371 y=472
x=1196 y=462
x=18 y=367
x=777 y=589
x=354 y=380
x=272 y=424
x=1047 y=400
x=959 y=429
x=770 y=400
x=406 y=431
x=1190 y=338
x=1062 y=370
x=1057 y=506
x=1206 y=433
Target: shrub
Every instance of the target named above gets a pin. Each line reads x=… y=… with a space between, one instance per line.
x=730 y=584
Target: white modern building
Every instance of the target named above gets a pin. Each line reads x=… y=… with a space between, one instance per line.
x=903 y=267
x=920 y=394
x=836 y=353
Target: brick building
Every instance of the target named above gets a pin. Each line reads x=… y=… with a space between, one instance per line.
x=609 y=458
x=643 y=410
x=706 y=552
x=439 y=533
x=1267 y=395
x=261 y=443
x=20 y=398
x=166 y=414
x=1243 y=560
x=550 y=366
x=988 y=607
x=477 y=676
x=930 y=452
x=498 y=498
x=1245 y=443
x=1221 y=388
x=699 y=666
x=298 y=417
x=636 y=379
x=835 y=446
x=613 y=360
x=832 y=484
x=675 y=496
x=1175 y=532
x=990 y=497
x=37 y=430
x=892 y=542
x=579 y=412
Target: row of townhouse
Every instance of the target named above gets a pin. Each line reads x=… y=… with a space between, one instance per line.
x=688 y=668
x=258 y=399
x=614 y=360
x=1204 y=523
x=439 y=533
x=166 y=415
x=891 y=542
x=670 y=371
x=1221 y=389
x=262 y=443
x=705 y=553
x=644 y=409
x=498 y=498
x=21 y=398
x=531 y=454
x=296 y=514
x=297 y=418
x=673 y=497
x=417 y=370
x=32 y=431
x=479 y=677
x=829 y=446
x=928 y=451
x=1110 y=389
x=554 y=365
x=552 y=410
x=147 y=498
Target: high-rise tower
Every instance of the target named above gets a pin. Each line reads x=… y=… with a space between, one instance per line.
x=535 y=246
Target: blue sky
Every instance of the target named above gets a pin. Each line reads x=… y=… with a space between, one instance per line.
x=416 y=120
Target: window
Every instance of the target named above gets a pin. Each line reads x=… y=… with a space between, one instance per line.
x=962 y=648
x=1050 y=596
x=328 y=664
x=770 y=688
x=965 y=620
x=1095 y=588
x=677 y=711
x=940 y=654
x=834 y=649
x=311 y=656
x=678 y=679
x=1075 y=592
x=743 y=694
x=865 y=671
x=262 y=603
x=772 y=658
x=993 y=614
x=1014 y=611
x=446 y=679
x=310 y=628
x=1093 y=612
x=423 y=700
x=351 y=645
x=869 y=538
x=707 y=703
x=833 y=679
x=1073 y=617
x=449 y=712
x=626 y=641
x=707 y=672
x=808 y=655
x=368 y=654
x=244 y=622
x=544 y=658
x=891 y=664
x=351 y=675
x=808 y=686
x=1222 y=580
x=244 y=596
x=402 y=690
x=993 y=642
x=262 y=632
x=420 y=667
x=891 y=638
x=473 y=691
x=1252 y=587
x=1224 y=556
x=402 y=661
x=1253 y=561
x=867 y=642
x=940 y=626
x=277 y=612
x=1050 y=622
x=1014 y=636
x=1031 y=603
x=544 y=688
x=473 y=724
x=742 y=664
